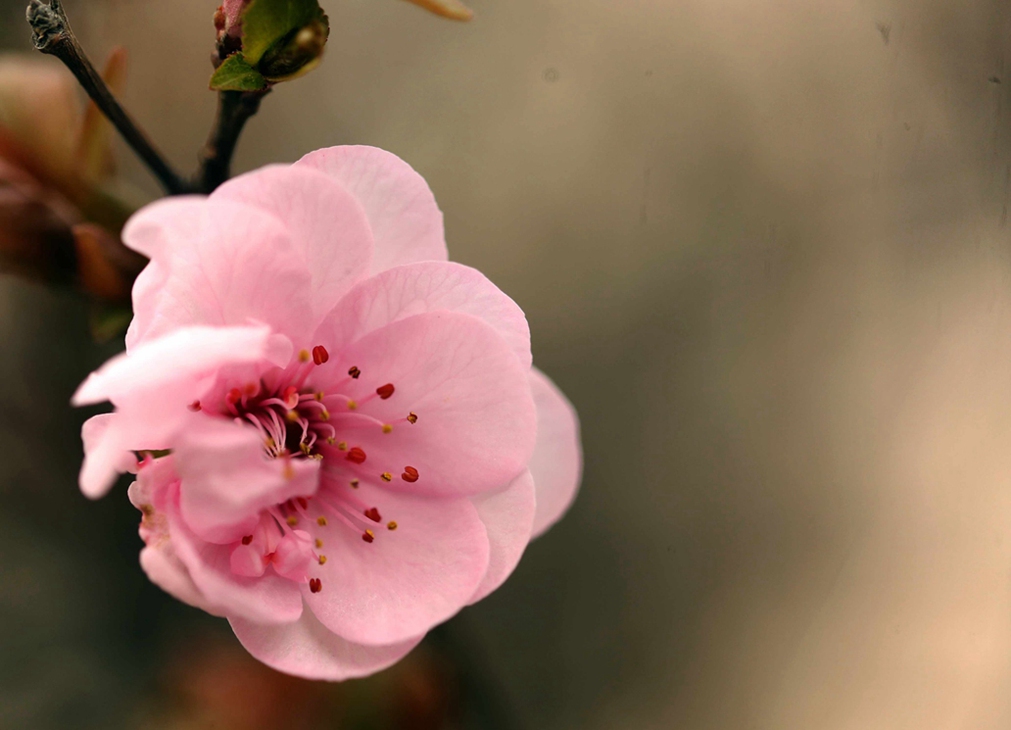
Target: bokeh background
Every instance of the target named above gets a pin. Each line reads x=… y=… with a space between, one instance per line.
x=763 y=245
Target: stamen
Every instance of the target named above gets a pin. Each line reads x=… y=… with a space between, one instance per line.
x=386 y=476
x=387 y=428
x=194 y=406
x=410 y=474
x=247 y=539
x=352 y=404
x=321 y=521
x=356 y=455
x=322 y=559
x=391 y=525
x=368 y=536
x=290 y=397
x=354 y=484
x=342 y=446
x=315 y=585
x=320 y=355
x=385 y=391
x=304 y=356
x=373 y=514
x=319 y=543
x=354 y=372
x=412 y=418
x=292 y=520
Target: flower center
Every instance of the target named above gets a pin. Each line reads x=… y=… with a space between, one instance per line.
x=297 y=422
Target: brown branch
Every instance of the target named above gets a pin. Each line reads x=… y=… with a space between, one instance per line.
x=53 y=35
x=234 y=110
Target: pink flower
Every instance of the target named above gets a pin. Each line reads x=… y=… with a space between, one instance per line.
x=359 y=445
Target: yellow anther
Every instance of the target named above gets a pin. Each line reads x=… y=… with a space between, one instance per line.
x=288 y=472
x=320 y=395
x=322 y=559
x=304 y=356
x=354 y=484
x=147 y=510
x=319 y=543
x=352 y=405
x=292 y=416
x=391 y=525
x=343 y=446
x=325 y=414
x=331 y=440
x=321 y=521
x=386 y=476
x=412 y=417
x=387 y=428
x=292 y=520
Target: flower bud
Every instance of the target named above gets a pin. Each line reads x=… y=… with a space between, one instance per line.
x=297 y=53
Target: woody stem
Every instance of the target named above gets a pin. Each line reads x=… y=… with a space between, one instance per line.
x=53 y=35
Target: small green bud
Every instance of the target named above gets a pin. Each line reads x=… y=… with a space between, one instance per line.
x=297 y=53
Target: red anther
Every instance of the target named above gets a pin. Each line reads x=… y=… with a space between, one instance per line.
x=385 y=391
x=410 y=474
x=315 y=585
x=219 y=20
x=194 y=406
x=247 y=539
x=320 y=355
x=368 y=536
x=373 y=514
x=356 y=455
x=302 y=503
x=354 y=372
x=234 y=396
x=290 y=396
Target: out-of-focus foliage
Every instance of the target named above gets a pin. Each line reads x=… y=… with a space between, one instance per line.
x=59 y=220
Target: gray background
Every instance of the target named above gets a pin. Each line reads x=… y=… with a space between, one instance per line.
x=762 y=245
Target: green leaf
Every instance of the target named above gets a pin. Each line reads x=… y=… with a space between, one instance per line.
x=265 y=22
x=235 y=74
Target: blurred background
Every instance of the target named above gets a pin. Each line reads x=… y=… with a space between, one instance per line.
x=763 y=246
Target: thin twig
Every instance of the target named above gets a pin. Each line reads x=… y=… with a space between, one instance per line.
x=234 y=110
x=53 y=35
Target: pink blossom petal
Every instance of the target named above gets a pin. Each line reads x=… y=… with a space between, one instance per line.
x=145 y=294
x=326 y=223
x=104 y=457
x=308 y=649
x=149 y=494
x=405 y=220
x=406 y=580
x=557 y=463
x=268 y=599
x=228 y=480
x=160 y=377
x=168 y=573
x=508 y=516
x=476 y=421
x=186 y=357
x=224 y=263
x=429 y=286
